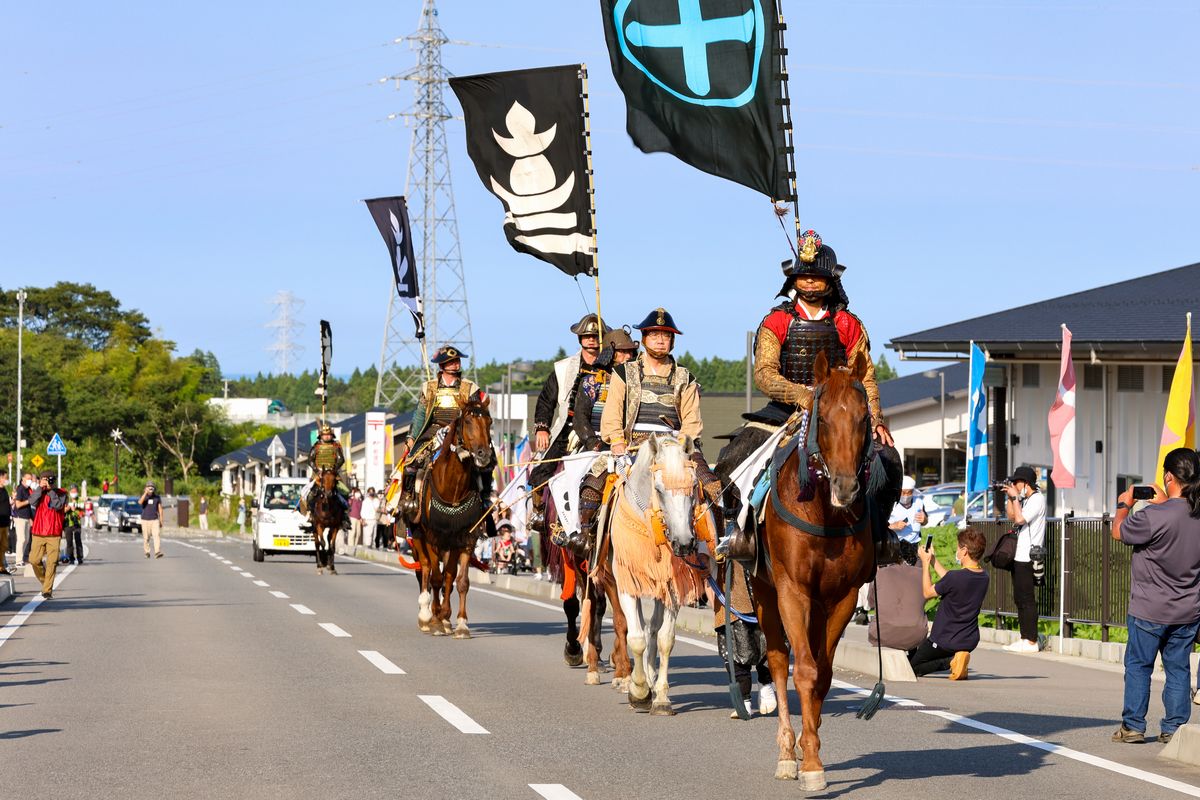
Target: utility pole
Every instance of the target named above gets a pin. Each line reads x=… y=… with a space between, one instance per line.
x=22 y=296
x=942 y=471
x=430 y=195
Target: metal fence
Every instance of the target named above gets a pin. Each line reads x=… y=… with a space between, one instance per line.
x=1097 y=574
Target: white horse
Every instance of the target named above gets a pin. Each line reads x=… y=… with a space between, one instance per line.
x=654 y=523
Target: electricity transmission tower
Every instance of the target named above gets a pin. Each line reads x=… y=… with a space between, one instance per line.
x=286 y=347
x=430 y=198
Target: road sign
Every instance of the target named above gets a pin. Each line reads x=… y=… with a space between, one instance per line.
x=57 y=447
x=37 y=461
x=276 y=449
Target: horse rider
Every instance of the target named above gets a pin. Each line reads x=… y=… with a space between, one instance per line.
x=813 y=319
x=442 y=400
x=326 y=453
x=590 y=401
x=652 y=393
x=555 y=408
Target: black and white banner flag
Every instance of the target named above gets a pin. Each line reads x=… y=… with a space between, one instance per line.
x=701 y=81
x=525 y=133
x=391 y=217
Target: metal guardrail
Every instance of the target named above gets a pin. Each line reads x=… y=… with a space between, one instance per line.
x=1096 y=579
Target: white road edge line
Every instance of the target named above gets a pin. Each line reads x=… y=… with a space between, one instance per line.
x=452 y=713
x=261 y=583
x=554 y=791
x=382 y=662
x=280 y=595
x=333 y=630
x=19 y=619
x=305 y=610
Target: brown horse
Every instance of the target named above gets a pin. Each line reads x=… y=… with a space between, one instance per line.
x=448 y=517
x=328 y=516
x=818 y=545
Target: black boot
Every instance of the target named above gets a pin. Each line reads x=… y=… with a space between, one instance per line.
x=742 y=546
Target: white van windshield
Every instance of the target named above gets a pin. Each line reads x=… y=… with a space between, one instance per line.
x=281 y=496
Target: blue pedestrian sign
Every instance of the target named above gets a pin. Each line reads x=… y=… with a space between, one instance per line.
x=56 y=447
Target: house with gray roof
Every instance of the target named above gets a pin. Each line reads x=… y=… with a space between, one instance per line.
x=1127 y=338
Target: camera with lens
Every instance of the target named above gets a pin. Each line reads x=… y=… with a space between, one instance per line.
x=1000 y=486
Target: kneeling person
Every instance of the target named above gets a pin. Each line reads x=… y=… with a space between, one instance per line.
x=956 y=626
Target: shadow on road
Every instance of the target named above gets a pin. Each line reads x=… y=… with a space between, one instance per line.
x=1037 y=725
x=1005 y=761
x=76 y=603
x=27 y=733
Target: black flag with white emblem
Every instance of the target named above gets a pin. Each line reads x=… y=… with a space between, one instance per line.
x=525 y=133
x=391 y=217
x=701 y=81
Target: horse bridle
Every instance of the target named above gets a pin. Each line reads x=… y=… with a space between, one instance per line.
x=816 y=459
x=460 y=442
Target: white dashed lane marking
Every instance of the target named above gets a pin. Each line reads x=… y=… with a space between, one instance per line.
x=382 y=662
x=452 y=713
x=247 y=575
x=261 y=583
x=305 y=610
x=554 y=791
x=334 y=630
x=280 y=595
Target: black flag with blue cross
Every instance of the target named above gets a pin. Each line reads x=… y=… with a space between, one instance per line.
x=701 y=80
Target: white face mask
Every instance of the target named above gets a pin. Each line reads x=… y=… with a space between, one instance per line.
x=29 y=483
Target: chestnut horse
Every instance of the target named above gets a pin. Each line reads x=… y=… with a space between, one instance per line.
x=818 y=546
x=449 y=517
x=328 y=514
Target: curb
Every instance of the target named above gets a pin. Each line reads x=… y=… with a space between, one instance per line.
x=8 y=587
x=1184 y=746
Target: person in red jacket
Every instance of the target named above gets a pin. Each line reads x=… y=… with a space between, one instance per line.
x=50 y=504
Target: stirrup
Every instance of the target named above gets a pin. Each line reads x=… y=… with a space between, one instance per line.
x=741 y=545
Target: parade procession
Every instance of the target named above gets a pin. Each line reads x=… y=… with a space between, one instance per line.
x=543 y=546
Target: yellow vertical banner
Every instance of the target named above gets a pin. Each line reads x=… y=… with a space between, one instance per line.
x=1179 y=424
x=345 y=440
x=389 y=446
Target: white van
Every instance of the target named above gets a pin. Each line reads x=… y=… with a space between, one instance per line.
x=276 y=522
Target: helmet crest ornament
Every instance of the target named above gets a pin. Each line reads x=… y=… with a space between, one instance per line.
x=810 y=244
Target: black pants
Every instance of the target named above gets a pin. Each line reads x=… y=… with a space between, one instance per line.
x=73 y=537
x=1022 y=578
x=381 y=535
x=928 y=658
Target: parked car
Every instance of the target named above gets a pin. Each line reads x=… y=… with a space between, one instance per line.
x=126 y=515
x=102 y=507
x=938 y=501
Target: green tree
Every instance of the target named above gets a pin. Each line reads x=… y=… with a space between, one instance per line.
x=883 y=370
x=76 y=311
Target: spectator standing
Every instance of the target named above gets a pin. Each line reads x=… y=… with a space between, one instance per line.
x=1026 y=507
x=49 y=504
x=202 y=510
x=5 y=522
x=151 y=505
x=1164 y=596
x=241 y=514
x=22 y=516
x=370 y=517
x=72 y=528
x=356 y=525
x=955 y=630
x=89 y=515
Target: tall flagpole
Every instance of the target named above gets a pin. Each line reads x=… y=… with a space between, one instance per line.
x=970 y=424
x=785 y=103
x=587 y=149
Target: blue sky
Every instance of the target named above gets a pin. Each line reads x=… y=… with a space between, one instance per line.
x=961 y=157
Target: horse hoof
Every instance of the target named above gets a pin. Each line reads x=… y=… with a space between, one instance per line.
x=462 y=634
x=592 y=679
x=813 y=781
x=573 y=657
x=332 y=571
x=642 y=703
x=424 y=629
x=786 y=771
x=662 y=710
x=621 y=684
x=438 y=632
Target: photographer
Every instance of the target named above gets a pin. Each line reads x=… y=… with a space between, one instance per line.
x=955 y=631
x=1164 y=601
x=1026 y=507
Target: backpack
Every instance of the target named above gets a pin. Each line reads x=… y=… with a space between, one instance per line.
x=1005 y=552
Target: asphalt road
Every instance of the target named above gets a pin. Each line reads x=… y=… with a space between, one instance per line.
x=191 y=677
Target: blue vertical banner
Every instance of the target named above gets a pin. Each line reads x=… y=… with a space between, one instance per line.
x=977 y=426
